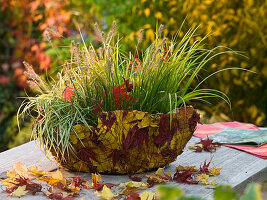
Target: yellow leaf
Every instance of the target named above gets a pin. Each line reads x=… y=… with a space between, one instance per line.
x=147 y=195
x=21 y=169
x=203 y=178
x=133 y=184
x=19 y=192
x=214 y=171
x=147 y=12
x=97 y=177
x=106 y=193
x=52 y=178
x=212 y=182
x=160 y=171
x=145 y=122
x=158 y=15
x=139 y=115
x=34 y=169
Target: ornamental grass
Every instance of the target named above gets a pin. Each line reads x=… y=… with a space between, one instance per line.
x=116 y=112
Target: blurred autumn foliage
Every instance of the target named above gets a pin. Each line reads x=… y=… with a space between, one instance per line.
x=238 y=24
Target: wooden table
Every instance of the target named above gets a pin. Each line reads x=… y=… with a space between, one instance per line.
x=238 y=169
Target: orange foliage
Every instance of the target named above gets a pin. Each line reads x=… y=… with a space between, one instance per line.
x=27 y=20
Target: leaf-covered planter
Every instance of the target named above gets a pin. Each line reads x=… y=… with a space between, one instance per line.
x=130 y=141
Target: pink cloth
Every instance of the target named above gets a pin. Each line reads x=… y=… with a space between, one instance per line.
x=206 y=130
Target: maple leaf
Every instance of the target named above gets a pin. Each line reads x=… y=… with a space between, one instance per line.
x=141 y=135
x=204 y=168
x=68 y=94
x=106 y=193
x=119 y=95
x=34 y=169
x=206 y=145
x=165 y=132
x=203 y=178
x=134 y=178
x=132 y=196
x=214 y=171
x=187 y=168
x=185 y=177
x=85 y=154
x=133 y=184
x=20 y=169
x=96 y=179
x=52 y=178
x=117 y=155
x=108 y=119
x=19 y=192
x=158 y=177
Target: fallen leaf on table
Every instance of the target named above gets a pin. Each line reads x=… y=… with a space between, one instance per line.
x=34 y=170
x=147 y=195
x=206 y=145
x=52 y=178
x=20 y=169
x=187 y=168
x=158 y=177
x=203 y=178
x=19 y=192
x=133 y=184
x=106 y=193
x=160 y=171
x=134 y=178
x=214 y=171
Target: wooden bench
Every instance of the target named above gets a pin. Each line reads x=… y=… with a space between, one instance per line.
x=238 y=169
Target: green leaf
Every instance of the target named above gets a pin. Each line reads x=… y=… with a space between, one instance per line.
x=169 y=193
x=224 y=192
x=252 y=192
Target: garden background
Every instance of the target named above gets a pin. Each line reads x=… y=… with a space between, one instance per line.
x=238 y=24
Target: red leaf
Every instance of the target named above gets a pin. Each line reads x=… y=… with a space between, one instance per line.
x=107 y=119
x=119 y=95
x=117 y=155
x=85 y=154
x=204 y=168
x=134 y=178
x=166 y=54
x=165 y=134
x=68 y=94
x=208 y=145
x=185 y=177
x=141 y=135
x=57 y=195
x=132 y=196
x=79 y=181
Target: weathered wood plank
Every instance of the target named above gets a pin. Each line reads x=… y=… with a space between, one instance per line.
x=238 y=168
x=27 y=153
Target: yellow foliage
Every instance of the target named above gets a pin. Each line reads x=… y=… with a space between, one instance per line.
x=147 y=12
